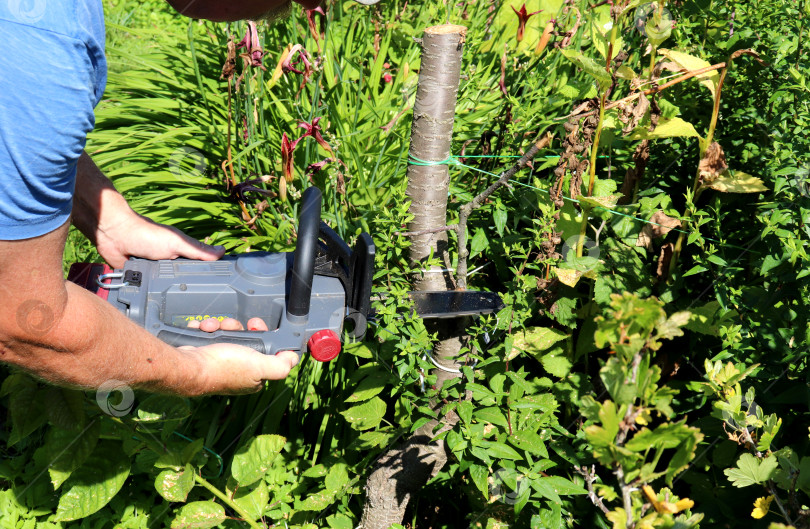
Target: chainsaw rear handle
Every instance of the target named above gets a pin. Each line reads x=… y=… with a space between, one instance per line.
x=195 y=338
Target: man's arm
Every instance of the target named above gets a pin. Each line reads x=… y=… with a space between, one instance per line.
x=68 y=336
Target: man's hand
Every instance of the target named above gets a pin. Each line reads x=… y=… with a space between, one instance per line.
x=132 y=235
x=102 y=214
x=231 y=365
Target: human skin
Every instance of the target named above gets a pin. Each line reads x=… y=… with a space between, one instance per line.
x=224 y=11
x=68 y=336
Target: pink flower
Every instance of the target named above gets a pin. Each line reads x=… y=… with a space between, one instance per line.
x=287 y=148
x=288 y=65
x=523 y=17
x=318 y=166
x=313 y=29
x=314 y=130
x=387 y=77
x=251 y=43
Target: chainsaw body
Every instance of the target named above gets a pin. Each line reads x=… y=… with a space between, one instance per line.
x=304 y=297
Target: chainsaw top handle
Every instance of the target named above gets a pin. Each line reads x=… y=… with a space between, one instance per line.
x=306 y=249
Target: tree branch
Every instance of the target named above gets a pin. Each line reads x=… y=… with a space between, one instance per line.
x=590 y=476
x=477 y=202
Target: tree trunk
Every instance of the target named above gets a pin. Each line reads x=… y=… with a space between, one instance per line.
x=405 y=469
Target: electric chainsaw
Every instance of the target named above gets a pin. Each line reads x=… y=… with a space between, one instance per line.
x=309 y=298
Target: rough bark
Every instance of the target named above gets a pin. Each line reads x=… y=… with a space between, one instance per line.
x=431 y=136
x=405 y=469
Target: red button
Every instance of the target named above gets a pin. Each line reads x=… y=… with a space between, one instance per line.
x=324 y=345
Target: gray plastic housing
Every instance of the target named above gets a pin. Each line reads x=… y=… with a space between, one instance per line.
x=172 y=292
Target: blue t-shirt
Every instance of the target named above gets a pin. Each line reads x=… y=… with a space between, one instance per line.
x=52 y=74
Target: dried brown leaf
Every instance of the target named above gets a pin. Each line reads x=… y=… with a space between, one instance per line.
x=713 y=163
x=229 y=67
x=633 y=117
x=662 y=270
x=660 y=225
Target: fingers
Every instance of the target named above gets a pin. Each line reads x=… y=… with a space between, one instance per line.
x=256 y=324
x=279 y=366
x=191 y=248
x=228 y=369
x=228 y=324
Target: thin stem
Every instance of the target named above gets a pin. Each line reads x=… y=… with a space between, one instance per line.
x=782 y=508
x=229 y=502
x=649 y=91
x=596 y=138
x=477 y=202
x=590 y=477
x=696 y=188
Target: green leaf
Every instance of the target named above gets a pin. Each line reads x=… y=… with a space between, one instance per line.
x=546 y=489
x=93 y=485
x=480 y=475
x=478 y=243
x=501 y=451
x=491 y=415
x=360 y=350
x=253 y=459
x=253 y=499
x=676 y=436
x=161 y=408
x=67 y=450
x=614 y=376
x=174 y=485
x=199 y=515
x=368 y=387
x=499 y=217
x=24 y=405
x=667 y=128
x=556 y=363
x=337 y=478
x=607 y=202
x=339 y=521
x=708 y=319
x=464 y=410
x=375 y=438
x=602 y=438
x=671 y=327
x=65 y=408
x=316 y=502
x=624 y=72
x=563 y=486
x=535 y=340
x=709 y=80
x=366 y=415
x=529 y=441
x=738 y=182
x=191 y=450
x=590 y=67
x=751 y=470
